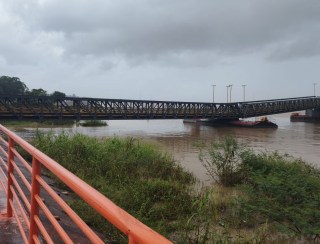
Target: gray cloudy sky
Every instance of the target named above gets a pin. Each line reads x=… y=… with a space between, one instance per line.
x=163 y=49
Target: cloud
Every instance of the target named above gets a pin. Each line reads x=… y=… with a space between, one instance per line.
x=144 y=31
x=304 y=46
x=158 y=49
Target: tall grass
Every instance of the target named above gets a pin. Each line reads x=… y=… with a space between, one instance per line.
x=277 y=191
x=137 y=177
x=286 y=191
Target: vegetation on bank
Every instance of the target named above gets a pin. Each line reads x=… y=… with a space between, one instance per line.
x=36 y=123
x=257 y=197
x=285 y=191
x=137 y=177
x=49 y=123
x=275 y=196
x=93 y=123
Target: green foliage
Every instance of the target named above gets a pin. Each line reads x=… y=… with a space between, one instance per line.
x=279 y=191
x=37 y=92
x=137 y=177
x=286 y=191
x=91 y=123
x=58 y=94
x=217 y=217
x=273 y=192
x=12 y=86
x=42 y=92
x=200 y=227
x=37 y=124
x=223 y=161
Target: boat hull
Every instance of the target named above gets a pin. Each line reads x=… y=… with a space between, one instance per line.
x=263 y=123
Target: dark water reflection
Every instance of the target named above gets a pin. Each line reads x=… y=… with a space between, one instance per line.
x=300 y=140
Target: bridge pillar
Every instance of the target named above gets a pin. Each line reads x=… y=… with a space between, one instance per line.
x=315 y=113
x=312 y=115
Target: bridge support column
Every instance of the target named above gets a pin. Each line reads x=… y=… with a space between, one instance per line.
x=312 y=115
x=315 y=113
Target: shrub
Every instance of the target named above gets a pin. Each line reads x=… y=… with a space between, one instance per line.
x=224 y=161
x=94 y=123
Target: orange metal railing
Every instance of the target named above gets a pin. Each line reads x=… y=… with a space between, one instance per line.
x=18 y=189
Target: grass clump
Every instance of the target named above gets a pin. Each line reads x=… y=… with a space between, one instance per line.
x=286 y=191
x=37 y=123
x=270 y=195
x=145 y=182
x=93 y=123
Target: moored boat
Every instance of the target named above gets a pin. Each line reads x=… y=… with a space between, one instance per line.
x=263 y=122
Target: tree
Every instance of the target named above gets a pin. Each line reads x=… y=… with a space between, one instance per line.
x=58 y=94
x=12 y=86
x=37 y=92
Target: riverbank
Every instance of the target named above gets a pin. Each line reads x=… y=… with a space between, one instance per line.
x=17 y=124
x=151 y=186
x=37 y=123
x=137 y=177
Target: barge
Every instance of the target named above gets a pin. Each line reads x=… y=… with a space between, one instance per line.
x=263 y=122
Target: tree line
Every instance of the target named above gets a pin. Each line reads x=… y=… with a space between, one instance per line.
x=14 y=86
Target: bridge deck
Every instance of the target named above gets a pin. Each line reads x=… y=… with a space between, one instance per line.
x=75 y=108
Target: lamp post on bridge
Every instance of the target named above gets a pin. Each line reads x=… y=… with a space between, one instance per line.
x=244 y=92
x=213 y=86
x=314 y=89
x=230 y=91
x=229 y=86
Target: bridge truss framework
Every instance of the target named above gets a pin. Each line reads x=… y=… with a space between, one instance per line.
x=80 y=108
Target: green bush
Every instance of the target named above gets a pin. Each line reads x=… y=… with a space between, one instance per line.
x=224 y=161
x=94 y=123
x=274 y=190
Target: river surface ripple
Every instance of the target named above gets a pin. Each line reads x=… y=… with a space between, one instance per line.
x=301 y=140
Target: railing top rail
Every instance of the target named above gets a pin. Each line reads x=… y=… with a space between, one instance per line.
x=130 y=226
x=279 y=100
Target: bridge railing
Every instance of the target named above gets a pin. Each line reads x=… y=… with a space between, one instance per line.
x=34 y=218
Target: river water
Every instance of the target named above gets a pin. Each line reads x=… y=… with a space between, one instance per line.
x=301 y=140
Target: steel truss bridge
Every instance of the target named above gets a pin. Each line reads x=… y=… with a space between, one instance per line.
x=81 y=108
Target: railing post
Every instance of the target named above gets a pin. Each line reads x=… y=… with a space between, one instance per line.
x=35 y=190
x=10 y=171
x=130 y=239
